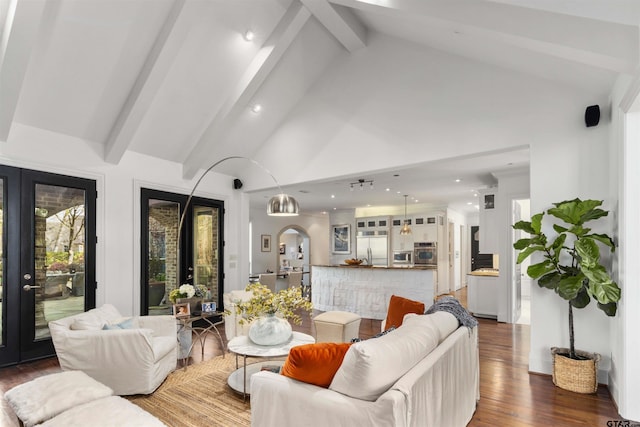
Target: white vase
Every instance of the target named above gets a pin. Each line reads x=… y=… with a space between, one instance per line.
x=270 y=330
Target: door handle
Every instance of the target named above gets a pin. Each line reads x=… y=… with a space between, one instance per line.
x=27 y=288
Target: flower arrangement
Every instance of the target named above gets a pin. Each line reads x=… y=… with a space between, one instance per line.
x=264 y=302
x=184 y=291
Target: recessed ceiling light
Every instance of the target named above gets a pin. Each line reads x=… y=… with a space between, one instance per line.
x=458 y=180
x=398 y=192
x=475 y=194
x=335 y=209
x=333 y=196
x=387 y=189
x=469 y=203
x=249 y=35
x=256 y=108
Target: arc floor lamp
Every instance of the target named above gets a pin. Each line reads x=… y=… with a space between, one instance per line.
x=281 y=204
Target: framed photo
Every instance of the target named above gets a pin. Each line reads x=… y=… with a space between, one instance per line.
x=182 y=310
x=208 y=307
x=341 y=239
x=489 y=201
x=283 y=248
x=265 y=243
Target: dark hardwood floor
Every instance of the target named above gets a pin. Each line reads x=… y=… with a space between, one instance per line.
x=509 y=395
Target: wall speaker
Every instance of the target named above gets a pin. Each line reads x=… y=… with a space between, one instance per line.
x=592 y=115
x=237 y=184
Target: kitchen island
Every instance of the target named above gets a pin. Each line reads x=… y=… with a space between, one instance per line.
x=366 y=290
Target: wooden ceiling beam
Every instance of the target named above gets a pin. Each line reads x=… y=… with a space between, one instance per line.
x=210 y=142
x=340 y=22
x=20 y=32
x=147 y=83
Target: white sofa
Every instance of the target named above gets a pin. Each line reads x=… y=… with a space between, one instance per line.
x=423 y=374
x=132 y=358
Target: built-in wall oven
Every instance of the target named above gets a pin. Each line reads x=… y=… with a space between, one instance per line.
x=402 y=258
x=425 y=254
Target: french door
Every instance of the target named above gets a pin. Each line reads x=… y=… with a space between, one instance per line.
x=47 y=269
x=196 y=259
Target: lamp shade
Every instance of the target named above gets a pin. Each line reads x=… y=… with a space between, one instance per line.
x=405 y=230
x=282 y=205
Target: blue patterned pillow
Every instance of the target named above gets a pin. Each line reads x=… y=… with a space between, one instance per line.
x=125 y=324
x=385 y=332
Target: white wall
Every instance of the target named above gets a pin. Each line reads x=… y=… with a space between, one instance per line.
x=118 y=204
x=624 y=376
x=573 y=163
x=346 y=216
x=512 y=185
x=392 y=105
x=316 y=226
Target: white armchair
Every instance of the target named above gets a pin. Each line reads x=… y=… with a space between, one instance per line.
x=132 y=358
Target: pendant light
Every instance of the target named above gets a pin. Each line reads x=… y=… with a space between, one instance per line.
x=405 y=230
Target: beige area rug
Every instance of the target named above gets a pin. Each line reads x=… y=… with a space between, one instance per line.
x=198 y=396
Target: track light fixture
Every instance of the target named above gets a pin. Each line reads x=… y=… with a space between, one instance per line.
x=361 y=184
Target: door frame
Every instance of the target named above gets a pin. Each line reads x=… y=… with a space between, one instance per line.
x=21 y=347
x=10 y=347
x=185 y=252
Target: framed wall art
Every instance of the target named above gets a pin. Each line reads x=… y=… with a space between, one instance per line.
x=265 y=243
x=341 y=239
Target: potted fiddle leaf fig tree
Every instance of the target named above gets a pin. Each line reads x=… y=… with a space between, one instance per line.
x=571 y=267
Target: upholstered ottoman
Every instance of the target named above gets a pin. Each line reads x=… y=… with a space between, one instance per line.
x=336 y=326
x=112 y=411
x=47 y=396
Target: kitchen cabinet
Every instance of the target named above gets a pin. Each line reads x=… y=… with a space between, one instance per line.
x=425 y=233
x=373 y=226
x=399 y=242
x=482 y=295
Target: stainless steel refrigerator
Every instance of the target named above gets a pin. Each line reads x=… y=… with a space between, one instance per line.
x=373 y=249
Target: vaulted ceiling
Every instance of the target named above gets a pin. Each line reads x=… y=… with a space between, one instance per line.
x=177 y=79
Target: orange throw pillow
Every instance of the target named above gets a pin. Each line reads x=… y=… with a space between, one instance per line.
x=398 y=307
x=315 y=363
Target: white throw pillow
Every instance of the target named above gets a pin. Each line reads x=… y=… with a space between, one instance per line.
x=372 y=366
x=86 y=324
x=444 y=322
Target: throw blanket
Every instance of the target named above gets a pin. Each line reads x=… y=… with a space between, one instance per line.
x=453 y=306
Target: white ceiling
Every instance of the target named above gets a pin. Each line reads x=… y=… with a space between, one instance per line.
x=175 y=79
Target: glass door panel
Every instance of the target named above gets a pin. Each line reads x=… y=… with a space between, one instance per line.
x=59 y=289
x=162 y=254
x=205 y=250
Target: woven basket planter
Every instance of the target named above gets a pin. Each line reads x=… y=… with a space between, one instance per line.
x=580 y=376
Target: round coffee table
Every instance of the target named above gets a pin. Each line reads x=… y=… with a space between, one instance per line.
x=239 y=380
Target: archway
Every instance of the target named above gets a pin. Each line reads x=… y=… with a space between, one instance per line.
x=293 y=250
